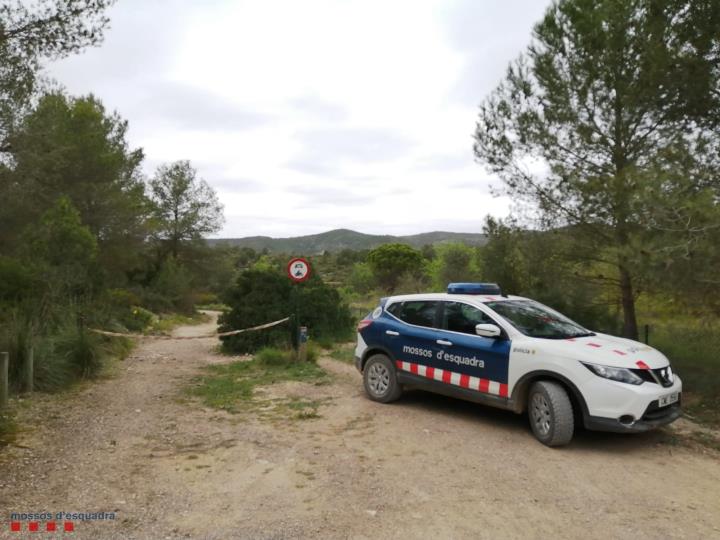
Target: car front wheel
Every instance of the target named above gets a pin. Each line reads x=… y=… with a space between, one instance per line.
x=380 y=380
x=551 y=413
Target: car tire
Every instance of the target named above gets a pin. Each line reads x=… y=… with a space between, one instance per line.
x=380 y=380
x=551 y=413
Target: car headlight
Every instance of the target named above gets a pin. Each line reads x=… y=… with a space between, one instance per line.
x=614 y=374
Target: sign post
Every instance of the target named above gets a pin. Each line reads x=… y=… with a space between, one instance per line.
x=298 y=270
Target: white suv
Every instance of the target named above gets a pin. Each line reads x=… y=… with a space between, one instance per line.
x=514 y=353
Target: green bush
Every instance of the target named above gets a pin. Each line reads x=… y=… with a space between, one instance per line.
x=53 y=371
x=172 y=287
x=271 y=356
x=694 y=351
x=137 y=319
x=263 y=295
x=313 y=352
x=83 y=351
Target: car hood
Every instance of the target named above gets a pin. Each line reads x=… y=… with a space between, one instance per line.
x=601 y=349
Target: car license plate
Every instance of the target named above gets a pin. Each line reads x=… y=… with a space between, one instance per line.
x=667 y=400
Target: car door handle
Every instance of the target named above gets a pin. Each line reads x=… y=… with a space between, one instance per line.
x=392 y=333
x=443 y=342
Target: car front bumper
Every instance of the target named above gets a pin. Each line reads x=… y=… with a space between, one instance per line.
x=654 y=417
x=612 y=399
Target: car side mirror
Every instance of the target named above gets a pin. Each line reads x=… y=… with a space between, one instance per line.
x=488 y=330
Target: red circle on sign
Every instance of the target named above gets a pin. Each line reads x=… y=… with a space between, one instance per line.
x=298 y=269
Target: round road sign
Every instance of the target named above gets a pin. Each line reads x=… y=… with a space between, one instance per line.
x=298 y=269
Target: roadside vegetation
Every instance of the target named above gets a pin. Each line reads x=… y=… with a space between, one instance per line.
x=86 y=240
x=236 y=387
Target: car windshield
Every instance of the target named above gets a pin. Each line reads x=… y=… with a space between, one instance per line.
x=535 y=320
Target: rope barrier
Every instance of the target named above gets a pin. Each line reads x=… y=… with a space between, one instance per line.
x=205 y=336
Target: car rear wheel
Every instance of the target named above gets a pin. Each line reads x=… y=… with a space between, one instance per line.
x=551 y=413
x=380 y=380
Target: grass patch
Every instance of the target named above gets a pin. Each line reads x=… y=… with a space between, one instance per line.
x=304 y=409
x=694 y=351
x=344 y=352
x=231 y=387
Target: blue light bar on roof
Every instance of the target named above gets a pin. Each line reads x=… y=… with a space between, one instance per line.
x=473 y=288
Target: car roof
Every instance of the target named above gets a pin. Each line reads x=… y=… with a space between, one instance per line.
x=471 y=298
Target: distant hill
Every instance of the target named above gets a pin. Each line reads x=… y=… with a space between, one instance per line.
x=339 y=239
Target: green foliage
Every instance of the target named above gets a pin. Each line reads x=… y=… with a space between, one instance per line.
x=16 y=337
x=312 y=352
x=232 y=386
x=265 y=294
x=454 y=262
x=693 y=348
x=185 y=206
x=412 y=283
x=344 y=352
x=83 y=351
x=390 y=261
x=18 y=280
x=172 y=288
x=35 y=32
x=534 y=264
x=361 y=278
x=70 y=147
x=598 y=104
x=341 y=241
x=271 y=356
x=64 y=250
x=137 y=319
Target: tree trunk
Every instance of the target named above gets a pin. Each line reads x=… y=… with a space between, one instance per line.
x=630 y=328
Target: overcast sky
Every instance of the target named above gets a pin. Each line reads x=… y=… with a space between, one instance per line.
x=313 y=115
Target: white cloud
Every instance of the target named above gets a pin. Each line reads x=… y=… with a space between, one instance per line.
x=307 y=116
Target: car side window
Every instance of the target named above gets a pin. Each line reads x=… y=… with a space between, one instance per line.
x=459 y=317
x=419 y=313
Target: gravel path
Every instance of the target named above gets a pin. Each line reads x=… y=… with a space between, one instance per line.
x=424 y=467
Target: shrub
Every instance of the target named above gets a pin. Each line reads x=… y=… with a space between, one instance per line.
x=313 y=352
x=266 y=295
x=53 y=371
x=271 y=356
x=172 y=287
x=83 y=351
x=137 y=319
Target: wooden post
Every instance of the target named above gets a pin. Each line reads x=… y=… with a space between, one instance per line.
x=302 y=344
x=29 y=369
x=4 y=365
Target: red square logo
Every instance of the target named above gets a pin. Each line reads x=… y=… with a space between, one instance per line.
x=69 y=526
x=33 y=526
x=51 y=527
x=15 y=526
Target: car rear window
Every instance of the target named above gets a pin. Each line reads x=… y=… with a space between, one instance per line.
x=417 y=312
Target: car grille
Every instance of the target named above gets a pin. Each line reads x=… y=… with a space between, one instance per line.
x=654 y=375
x=654 y=412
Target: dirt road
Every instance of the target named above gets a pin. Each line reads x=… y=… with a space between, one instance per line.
x=425 y=467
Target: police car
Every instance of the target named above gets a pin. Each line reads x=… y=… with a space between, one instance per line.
x=511 y=352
